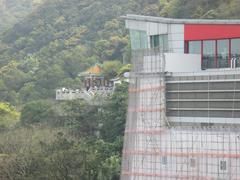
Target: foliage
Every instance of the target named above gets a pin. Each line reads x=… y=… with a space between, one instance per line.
x=36 y=112
x=110 y=68
x=13 y=11
x=123 y=69
x=81 y=118
x=114 y=114
x=8 y=115
x=55 y=154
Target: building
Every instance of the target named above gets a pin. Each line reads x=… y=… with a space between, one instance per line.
x=184 y=100
x=96 y=87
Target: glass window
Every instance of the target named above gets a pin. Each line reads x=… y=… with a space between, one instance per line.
x=209 y=48
x=154 y=40
x=164 y=160
x=194 y=47
x=159 y=41
x=138 y=39
x=192 y=163
x=223 y=53
x=223 y=165
x=235 y=51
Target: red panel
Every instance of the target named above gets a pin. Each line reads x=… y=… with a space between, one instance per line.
x=207 y=31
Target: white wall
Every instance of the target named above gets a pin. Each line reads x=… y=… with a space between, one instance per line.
x=178 y=62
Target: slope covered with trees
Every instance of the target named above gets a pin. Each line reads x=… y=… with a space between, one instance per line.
x=61 y=39
x=44 y=139
x=13 y=11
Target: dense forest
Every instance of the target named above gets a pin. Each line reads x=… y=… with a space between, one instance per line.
x=13 y=11
x=44 y=45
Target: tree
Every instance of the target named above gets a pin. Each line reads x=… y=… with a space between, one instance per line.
x=114 y=114
x=81 y=118
x=36 y=112
x=110 y=68
x=8 y=115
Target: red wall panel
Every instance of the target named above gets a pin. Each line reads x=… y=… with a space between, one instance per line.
x=210 y=31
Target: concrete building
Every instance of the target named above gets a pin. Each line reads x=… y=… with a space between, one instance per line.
x=184 y=100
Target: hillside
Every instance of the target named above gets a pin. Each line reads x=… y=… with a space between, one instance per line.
x=62 y=38
x=13 y=11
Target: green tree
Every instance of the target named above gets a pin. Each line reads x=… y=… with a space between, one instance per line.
x=111 y=68
x=8 y=115
x=114 y=114
x=82 y=118
x=36 y=112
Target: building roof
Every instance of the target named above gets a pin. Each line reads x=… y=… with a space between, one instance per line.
x=180 y=21
x=94 y=70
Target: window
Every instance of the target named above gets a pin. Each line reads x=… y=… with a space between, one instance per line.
x=235 y=50
x=194 y=47
x=223 y=165
x=164 y=160
x=138 y=39
x=209 y=51
x=223 y=53
x=159 y=41
x=192 y=163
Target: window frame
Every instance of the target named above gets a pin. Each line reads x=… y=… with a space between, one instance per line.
x=193 y=163
x=159 y=44
x=186 y=44
x=223 y=165
x=164 y=160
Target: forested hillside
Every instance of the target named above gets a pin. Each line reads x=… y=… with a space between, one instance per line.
x=44 y=139
x=13 y=11
x=62 y=38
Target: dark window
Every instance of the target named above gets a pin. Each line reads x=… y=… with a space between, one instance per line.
x=159 y=41
x=209 y=51
x=223 y=165
x=223 y=53
x=164 y=160
x=194 y=47
x=192 y=163
x=235 y=51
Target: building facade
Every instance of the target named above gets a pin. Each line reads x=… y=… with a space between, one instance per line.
x=184 y=100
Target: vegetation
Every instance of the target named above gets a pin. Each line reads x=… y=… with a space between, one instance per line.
x=8 y=115
x=70 y=145
x=13 y=11
x=47 y=49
